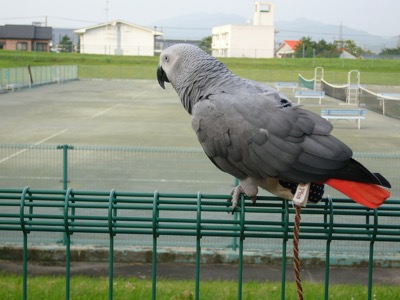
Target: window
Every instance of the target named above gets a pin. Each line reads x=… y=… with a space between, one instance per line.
x=22 y=46
x=264 y=7
x=40 y=47
x=2 y=45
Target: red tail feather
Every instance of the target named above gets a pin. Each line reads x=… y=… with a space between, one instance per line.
x=370 y=195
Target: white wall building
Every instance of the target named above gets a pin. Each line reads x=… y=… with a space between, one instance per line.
x=117 y=38
x=256 y=41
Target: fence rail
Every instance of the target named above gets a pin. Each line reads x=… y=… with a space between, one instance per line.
x=116 y=213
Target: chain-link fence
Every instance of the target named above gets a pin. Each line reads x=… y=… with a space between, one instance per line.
x=146 y=169
x=15 y=78
x=141 y=169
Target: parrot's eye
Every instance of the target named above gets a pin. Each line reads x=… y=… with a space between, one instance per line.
x=166 y=58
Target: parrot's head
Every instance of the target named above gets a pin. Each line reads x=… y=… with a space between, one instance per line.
x=179 y=64
x=190 y=70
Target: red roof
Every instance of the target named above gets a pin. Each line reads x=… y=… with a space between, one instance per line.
x=292 y=44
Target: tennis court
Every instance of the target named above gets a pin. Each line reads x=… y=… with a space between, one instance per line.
x=132 y=135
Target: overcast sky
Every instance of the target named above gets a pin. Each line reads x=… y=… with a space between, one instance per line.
x=380 y=17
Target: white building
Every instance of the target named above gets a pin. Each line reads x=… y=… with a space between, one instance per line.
x=117 y=38
x=247 y=40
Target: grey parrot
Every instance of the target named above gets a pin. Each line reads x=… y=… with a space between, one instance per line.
x=258 y=135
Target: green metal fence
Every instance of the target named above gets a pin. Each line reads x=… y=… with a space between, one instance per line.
x=168 y=170
x=116 y=213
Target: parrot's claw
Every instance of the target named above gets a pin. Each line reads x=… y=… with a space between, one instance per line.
x=235 y=197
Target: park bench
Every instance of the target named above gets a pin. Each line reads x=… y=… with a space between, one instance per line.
x=304 y=94
x=344 y=114
x=285 y=85
x=13 y=86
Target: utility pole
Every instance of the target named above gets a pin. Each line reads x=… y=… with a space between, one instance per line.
x=341 y=36
x=107 y=9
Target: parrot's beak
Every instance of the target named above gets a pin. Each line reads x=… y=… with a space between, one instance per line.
x=161 y=76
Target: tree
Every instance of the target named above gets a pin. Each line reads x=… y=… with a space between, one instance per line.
x=351 y=47
x=390 y=51
x=310 y=48
x=205 y=44
x=65 y=44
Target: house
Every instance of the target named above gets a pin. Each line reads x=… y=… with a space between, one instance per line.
x=25 y=37
x=287 y=48
x=117 y=38
x=256 y=40
x=347 y=55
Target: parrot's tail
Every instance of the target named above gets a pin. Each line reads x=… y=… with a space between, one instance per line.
x=367 y=194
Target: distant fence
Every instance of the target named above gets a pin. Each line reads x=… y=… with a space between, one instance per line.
x=335 y=90
x=32 y=76
x=385 y=102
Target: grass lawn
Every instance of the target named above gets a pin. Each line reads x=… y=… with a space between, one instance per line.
x=45 y=287
x=382 y=72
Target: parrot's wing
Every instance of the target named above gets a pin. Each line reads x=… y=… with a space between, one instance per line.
x=252 y=135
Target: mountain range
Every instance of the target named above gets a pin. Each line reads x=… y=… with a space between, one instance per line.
x=198 y=26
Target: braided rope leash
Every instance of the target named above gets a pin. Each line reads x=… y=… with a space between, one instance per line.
x=300 y=199
x=296 y=258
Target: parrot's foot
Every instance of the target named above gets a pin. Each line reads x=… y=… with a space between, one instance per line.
x=236 y=192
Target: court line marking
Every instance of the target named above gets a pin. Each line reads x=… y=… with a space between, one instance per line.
x=110 y=108
x=103 y=112
x=37 y=143
x=139 y=94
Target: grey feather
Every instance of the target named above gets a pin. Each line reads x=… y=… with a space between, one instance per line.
x=246 y=128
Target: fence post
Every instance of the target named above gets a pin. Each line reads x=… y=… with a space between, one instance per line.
x=242 y=237
x=67 y=242
x=198 y=245
x=65 y=149
x=64 y=180
x=329 y=209
x=285 y=229
x=371 y=254
x=155 y=236
x=112 y=214
x=25 y=232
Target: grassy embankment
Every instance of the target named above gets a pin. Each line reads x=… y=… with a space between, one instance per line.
x=45 y=287
x=380 y=72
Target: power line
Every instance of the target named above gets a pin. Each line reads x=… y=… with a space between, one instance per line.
x=331 y=33
x=53 y=17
